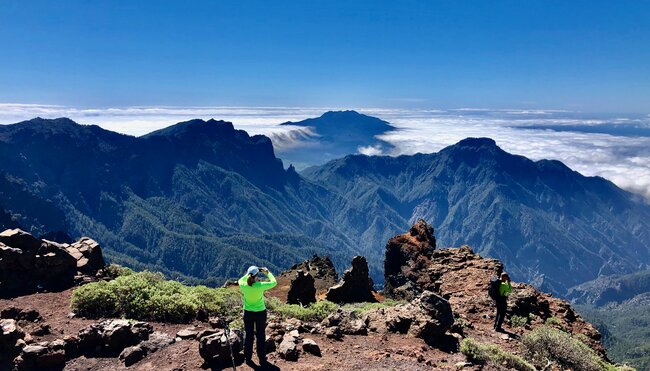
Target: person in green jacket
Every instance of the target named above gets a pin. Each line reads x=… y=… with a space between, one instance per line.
x=255 y=311
x=505 y=288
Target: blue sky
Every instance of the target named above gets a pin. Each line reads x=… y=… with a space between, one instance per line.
x=589 y=56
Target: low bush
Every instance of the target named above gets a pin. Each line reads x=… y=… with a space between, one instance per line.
x=547 y=345
x=491 y=354
x=148 y=296
x=552 y=321
x=518 y=321
x=314 y=312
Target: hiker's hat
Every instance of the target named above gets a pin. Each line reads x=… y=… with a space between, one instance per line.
x=253 y=270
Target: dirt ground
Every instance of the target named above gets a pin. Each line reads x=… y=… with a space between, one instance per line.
x=372 y=352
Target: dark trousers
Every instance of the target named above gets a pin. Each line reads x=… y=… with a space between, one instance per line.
x=255 y=326
x=502 y=306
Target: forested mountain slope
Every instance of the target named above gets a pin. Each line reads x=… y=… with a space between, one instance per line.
x=550 y=225
x=199 y=198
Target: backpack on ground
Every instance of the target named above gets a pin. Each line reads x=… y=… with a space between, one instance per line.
x=493 y=288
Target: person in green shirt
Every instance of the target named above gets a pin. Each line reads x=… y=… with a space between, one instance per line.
x=255 y=311
x=505 y=288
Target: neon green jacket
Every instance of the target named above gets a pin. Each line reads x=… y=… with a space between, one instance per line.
x=254 y=295
x=505 y=289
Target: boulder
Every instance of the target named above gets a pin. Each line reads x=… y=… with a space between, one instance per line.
x=112 y=336
x=20 y=239
x=132 y=355
x=525 y=300
x=20 y=314
x=310 y=346
x=426 y=317
x=407 y=255
x=288 y=348
x=41 y=356
x=347 y=321
x=302 y=290
x=334 y=332
x=188 y=333
x=215 y=349
x=438 y=316
x=88 y=255
x=356 y=285
x=136 y=353
x=206 y=332
x=54 y=268
x=10 y=334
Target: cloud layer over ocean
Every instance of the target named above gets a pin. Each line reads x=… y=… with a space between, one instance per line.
x=537 y=134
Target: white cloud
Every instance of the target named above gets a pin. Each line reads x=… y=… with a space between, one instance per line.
x=623 y=160
x=371 y=150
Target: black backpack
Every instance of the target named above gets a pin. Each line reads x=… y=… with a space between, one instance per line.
x=493 y=288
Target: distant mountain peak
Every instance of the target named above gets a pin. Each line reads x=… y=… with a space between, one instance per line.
x=477 y=142
x=349 y=113
x=192 y=126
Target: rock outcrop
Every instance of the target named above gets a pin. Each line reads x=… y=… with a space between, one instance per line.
x=406 y=256
x=136 y=353
x=347 y=322
x=88 y=255
x=302 y=289
x=460 y=276
x=28 y=264
x=216 y=349
x=355 y=286
x=427 y=317
x=110 y=337
x=320 y=268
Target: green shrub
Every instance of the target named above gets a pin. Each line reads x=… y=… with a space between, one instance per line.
x=518 y=321
x=491 y=354
x=237 y=323
x=148 y=296
x=113 y=271
x=95 y=300
x=546 y=345
x=315 y=312
x=552 y=321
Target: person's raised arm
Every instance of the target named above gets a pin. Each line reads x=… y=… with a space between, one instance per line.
x=242 y=281
x=271 y=282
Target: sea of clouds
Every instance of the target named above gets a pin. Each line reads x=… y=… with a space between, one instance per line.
x=623 y=159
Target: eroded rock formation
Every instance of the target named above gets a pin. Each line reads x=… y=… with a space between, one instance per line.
x=302 y=289
x=355 y=286
x=406 y=255
x=320 y=268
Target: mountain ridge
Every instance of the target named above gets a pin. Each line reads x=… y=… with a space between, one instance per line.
x=199 y=188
